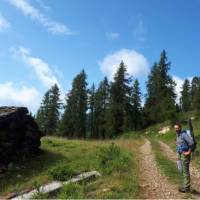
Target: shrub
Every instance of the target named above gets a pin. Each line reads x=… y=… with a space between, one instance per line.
x=61 y=172
x=114 y=159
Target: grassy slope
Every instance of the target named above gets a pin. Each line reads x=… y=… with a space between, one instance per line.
x=170 y=137
x=166 y=166
x=80 y=156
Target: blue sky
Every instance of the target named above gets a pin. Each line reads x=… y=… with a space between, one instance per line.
x=49 y=41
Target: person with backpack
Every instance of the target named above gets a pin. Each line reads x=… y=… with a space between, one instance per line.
x=184 y=147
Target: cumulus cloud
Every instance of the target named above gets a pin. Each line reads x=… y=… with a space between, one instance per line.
x=136 y=63
x=52 y=26
x=112 y=35
x=179 y=83
x=4 y=24
x=41 y=68
x=10 y=94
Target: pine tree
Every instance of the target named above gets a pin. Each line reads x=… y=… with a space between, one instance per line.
x=160 y=102
x=185 y=99
x=91 y=116
x=42 y=116
x=54 y=109
x=101 y=104
x=74 y=120
x=118 y=100
x=49 y=111
x=136 y=102
x=151 y=108
x=195 y=85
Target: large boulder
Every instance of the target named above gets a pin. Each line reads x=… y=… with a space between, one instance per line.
x=19 y=134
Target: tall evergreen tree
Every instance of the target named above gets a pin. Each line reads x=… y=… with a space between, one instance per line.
x=120 y=89
x=91 y=116
x=42 y=115
x=151 y=109
x=160 y=102
x=101 y=104
x=74 y=120
x=185 y=99
x=137 y=108
x=49 y=111
x=195 y=85
x=54 y=109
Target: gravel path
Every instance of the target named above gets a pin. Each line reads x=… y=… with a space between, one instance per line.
x=195 y=174
x=154 y=185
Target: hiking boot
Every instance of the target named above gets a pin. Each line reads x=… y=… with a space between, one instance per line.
x=184 y=190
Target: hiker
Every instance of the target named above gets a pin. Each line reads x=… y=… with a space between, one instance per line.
x=184 y=144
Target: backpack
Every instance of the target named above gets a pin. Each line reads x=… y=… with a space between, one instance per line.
x=192 y=138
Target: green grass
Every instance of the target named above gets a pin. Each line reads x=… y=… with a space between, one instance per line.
x=61 y=159
x=133 y=135
x=167 y=166
x=170 y=137
x=78 y=155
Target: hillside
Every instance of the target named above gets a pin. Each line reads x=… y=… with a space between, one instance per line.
x=137 y=165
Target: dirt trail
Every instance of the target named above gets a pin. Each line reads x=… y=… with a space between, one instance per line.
x=195 y=174
x=153 y=184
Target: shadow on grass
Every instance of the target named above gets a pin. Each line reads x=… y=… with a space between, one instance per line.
x=26 y=171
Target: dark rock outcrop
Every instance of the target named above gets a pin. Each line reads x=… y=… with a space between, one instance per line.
x=19 y=134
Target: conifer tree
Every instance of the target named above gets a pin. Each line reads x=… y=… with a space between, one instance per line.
x=91 y=116
x=151 y=108
x=137 y=108
x=195 y=85
x=101 y=104
x=74 y=120
x=49 y=111
x=54 y=109
x=42 y=115
x=120 y=89
x=185 y=99
x=160 y=102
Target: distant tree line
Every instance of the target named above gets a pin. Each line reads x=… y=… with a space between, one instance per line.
x=112 y=108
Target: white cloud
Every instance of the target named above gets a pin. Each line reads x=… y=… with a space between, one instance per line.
x=112 y=35
x=136 y=63
x=52 y=26
x=179 y=83
x=4 y=24
x=41 y=68
x=11 y=95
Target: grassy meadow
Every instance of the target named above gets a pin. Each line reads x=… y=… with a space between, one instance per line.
x=61 y=159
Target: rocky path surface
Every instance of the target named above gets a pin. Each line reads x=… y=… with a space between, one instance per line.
x=195 y=174
x=154 y=185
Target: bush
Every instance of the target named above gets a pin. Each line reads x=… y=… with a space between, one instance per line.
x=71 y=191
x=113 y=159
x=61 y=172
